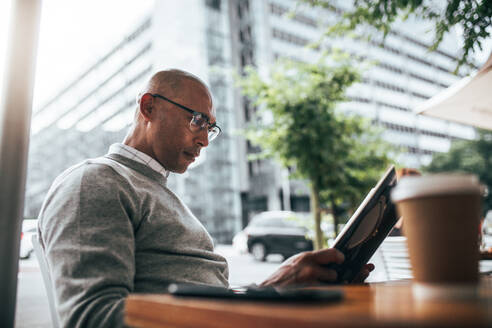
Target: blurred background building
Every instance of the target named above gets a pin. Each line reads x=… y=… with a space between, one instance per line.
x=213 y=39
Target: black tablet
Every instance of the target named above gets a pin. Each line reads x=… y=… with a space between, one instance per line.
x=256 y=293
x=367 y=228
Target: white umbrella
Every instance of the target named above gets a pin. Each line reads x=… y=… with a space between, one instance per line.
x=468 y=101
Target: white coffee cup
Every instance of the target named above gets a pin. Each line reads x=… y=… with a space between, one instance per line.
x=441 y=215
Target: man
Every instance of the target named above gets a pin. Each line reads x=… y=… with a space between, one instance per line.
x=109 y=226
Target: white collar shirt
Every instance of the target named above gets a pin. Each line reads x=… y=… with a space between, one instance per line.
x=138 y=156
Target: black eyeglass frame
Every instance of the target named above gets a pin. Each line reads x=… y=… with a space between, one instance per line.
x=191 y=111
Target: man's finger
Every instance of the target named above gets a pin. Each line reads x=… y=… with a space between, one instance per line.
x=364 y=273
x=361 y=276
x=327 y=255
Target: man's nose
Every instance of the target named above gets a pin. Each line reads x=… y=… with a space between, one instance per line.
x=202 y=138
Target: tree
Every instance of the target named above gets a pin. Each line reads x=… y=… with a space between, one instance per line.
x=472 y=17
x=298 y=125
x=468 y=156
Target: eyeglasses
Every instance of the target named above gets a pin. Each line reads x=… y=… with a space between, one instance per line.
x=199 y=120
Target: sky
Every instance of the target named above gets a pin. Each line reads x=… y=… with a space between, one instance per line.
x=73 y=35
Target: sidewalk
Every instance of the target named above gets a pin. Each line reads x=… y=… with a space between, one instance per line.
x=32 y=310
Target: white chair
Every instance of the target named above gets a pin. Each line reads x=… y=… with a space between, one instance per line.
x=395 y=258
x=43 y=265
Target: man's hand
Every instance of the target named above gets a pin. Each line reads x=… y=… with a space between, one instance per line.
x=310 y=268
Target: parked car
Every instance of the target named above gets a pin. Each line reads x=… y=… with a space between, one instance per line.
x=29 y=228
x=274 y=232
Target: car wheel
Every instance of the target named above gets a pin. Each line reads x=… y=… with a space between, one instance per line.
x=259 y=251
x=25 y=256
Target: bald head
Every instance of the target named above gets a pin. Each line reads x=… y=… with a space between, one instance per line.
x=172 y=82
x=166 y=108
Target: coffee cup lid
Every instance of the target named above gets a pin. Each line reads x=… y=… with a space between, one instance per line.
x=435 y=184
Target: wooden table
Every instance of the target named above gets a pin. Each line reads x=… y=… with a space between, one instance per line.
x=374 y=305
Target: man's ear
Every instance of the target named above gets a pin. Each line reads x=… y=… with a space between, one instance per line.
x=146 y=106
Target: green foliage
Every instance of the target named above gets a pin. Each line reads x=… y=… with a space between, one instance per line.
x=298 y=125
x=468 y=156
x=472 y=17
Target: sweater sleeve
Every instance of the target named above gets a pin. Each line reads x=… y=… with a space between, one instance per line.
x=87 y=232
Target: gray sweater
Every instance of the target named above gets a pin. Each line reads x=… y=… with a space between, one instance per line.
x=109 y=227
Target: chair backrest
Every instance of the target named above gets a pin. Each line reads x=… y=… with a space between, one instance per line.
x=43 y=265
x=395 y=258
